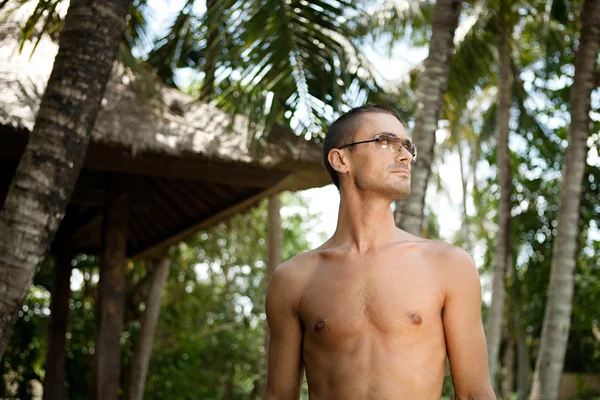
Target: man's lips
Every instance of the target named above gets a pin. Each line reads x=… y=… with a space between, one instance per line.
x=401 y=171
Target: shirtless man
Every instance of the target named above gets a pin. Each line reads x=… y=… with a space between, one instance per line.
x=372 y=313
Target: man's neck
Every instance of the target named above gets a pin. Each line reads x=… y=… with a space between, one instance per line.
x=364 y=222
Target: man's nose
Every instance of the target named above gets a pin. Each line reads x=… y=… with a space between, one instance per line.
x=404 y=155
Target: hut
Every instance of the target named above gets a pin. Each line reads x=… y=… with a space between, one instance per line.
x=157 y=170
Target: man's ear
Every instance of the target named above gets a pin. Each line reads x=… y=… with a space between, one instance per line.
x=338 y=160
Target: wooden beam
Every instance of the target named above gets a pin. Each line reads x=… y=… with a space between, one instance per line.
x=183 y=166
x=75 y=221
x=236 y=206
x=174 y=166
x=93 y=189
x=111 y=301
x=297 y=181
x=180 y=165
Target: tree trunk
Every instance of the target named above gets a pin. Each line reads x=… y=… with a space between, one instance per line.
x=143 y=348
x=509 y=365
x=496 y=313
x=463 y=178
x=111 y=301
x=44 y=181
x=557 y=316
x=523 y=368
x=274 y=239
x=430 y=96
x=54 y=380
x=274 y=247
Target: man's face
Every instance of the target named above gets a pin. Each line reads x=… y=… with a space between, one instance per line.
x=379 y=168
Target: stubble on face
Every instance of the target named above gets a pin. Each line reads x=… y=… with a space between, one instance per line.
x=394 y=186
x=399 y=183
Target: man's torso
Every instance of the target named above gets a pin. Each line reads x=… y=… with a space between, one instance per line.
x=372 y=323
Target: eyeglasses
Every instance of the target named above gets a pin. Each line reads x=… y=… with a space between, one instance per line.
x=392 y=142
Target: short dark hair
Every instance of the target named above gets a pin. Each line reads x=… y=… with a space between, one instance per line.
x=344 y=128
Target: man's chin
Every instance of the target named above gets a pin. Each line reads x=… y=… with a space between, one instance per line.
x=399 y=193
x=403 y=194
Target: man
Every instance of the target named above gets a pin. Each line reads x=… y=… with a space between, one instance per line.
x=372 y=313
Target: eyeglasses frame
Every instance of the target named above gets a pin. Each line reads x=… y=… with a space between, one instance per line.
x=378 y=139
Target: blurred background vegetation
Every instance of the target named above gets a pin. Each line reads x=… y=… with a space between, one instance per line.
x=302 y=72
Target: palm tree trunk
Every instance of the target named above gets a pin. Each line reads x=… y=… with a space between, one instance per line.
x=464 y=182
x=143 y=348
x=509 y=365
x=523 y=368
x=463 y=179
x=557 y=316
x=496 y=313
x=430 y=96
x=44 y=181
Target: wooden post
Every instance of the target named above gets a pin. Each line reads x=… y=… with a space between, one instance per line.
x=54 y=380
x=111 y=301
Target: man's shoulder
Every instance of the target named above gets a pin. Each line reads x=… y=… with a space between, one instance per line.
x=288 y=280
x=447 y=250
x=454 y=265
x=296 y=268
x=445 y=255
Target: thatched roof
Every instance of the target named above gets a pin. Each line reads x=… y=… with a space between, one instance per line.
x=171 y=123
x=186 y=164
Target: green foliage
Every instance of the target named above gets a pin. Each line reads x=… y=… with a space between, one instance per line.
x=544 y=45
x=292 y=62
x=210 y=342
x=25 y=355
x=299 y=63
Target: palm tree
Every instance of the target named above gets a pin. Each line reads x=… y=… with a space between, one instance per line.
x=490 y=39
x=496 y=313
x=429 y=100
x=557 y=315
x=50 y=165
x=294 y=62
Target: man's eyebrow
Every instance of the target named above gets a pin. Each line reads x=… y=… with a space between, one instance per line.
x=391 y=134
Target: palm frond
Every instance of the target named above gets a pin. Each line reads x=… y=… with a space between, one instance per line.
x=180 y=43
x=137 y=33
x=301 y=51
x=475 y=57
x=392 y=20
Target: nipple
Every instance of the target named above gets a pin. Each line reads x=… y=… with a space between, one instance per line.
x=320 y=325
x=415 y=318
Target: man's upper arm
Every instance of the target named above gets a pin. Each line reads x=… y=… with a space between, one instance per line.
x=285 y=341
x=465 y=338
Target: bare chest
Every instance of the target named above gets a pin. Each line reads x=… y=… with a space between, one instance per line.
x=392 y=301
